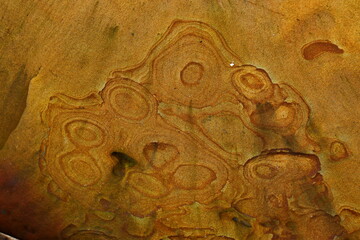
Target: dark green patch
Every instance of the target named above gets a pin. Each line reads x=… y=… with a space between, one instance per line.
x=124 y=162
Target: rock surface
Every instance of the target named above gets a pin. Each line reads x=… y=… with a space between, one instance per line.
x=179 y=120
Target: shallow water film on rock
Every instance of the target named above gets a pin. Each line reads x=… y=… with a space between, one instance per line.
x=180 y=120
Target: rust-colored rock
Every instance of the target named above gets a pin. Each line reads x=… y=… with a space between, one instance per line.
x=223 y=127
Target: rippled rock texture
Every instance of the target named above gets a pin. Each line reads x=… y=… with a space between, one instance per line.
x=199 y=140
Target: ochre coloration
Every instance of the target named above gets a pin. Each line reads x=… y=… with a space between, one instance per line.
x=190 y=120
x=181 y=171
x=14 y=102
x=314 y=49
x=193 y=177
x=192 y=73
x=338 y=151
x=158 y=154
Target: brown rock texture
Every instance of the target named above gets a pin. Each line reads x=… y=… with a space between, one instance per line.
x=180 y=120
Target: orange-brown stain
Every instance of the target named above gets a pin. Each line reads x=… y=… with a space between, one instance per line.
x=314 y=49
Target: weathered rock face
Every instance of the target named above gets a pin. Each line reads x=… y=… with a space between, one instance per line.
x=192 y=142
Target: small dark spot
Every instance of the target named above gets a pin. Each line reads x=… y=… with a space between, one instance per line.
x=200 y=41
x=124 y=162
x=245 y=223
x=3 y=211
x=270 y=224
x=105 y=203
x=132 y=34
x=113 y=31
x=242 y=222
x=96 y=4
x=154 y=146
